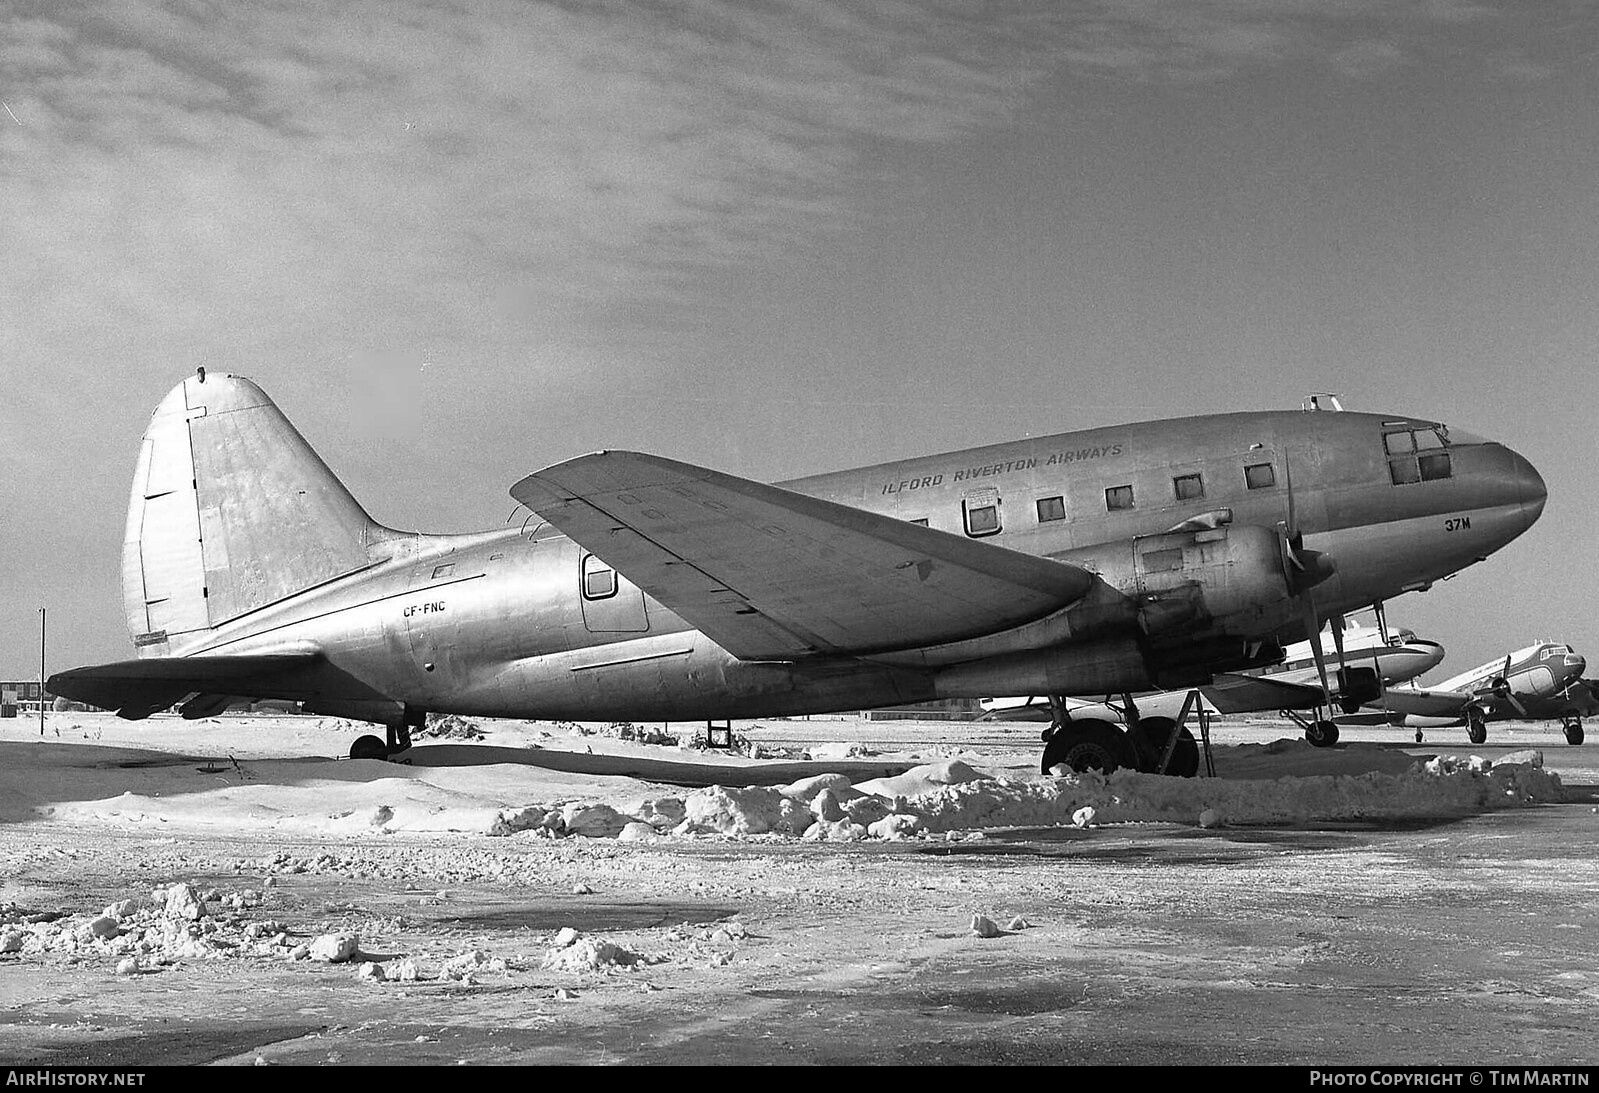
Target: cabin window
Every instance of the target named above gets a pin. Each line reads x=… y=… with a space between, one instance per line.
x=1416 y=455
x=443 y=570
x=1260 y=476
x=1051 y=509
x=982 y=517
x=1118 y=498
x=599 y=579
x=921 y=522
x=1188 y=487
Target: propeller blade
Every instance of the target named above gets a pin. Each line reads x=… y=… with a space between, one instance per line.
x=1288 y=483
x=1303 y=568
x=1313 y=628
x=1500 y=689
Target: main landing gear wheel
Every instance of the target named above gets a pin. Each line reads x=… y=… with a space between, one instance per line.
x=1322 y=734
x=1418 y=736
x=1476 y=728
x=1573 y=730
x=369 y=747
x=1150 y=738
x=1088 y=745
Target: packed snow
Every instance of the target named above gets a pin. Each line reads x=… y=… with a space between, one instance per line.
x=528 y=780
x=492 y=782
x=151 y=932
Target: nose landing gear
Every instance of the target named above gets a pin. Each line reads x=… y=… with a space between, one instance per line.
x=1571 y=725
x=1320 y=731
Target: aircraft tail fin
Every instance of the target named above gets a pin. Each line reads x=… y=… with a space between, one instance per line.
x=230 y=510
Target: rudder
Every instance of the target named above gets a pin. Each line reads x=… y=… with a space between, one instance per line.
x=230 y=510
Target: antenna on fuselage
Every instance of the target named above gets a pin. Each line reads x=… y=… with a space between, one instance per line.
x=1321 y=400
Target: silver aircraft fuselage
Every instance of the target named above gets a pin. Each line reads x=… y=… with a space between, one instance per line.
x=497 y=623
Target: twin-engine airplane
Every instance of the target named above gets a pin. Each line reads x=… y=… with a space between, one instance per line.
x=1113 y=560
x=1539 y=683
x=1393 y=657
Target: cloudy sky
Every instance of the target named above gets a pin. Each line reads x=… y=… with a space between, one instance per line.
x=459 y=241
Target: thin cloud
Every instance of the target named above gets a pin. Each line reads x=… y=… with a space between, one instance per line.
x=263 y=160
x=257 y=165
x=1364 y=59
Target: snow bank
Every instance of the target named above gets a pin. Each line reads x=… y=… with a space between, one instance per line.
x=953 y=796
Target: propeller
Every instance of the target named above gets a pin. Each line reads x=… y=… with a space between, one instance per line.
x=1501 y=688
x=1303 y=569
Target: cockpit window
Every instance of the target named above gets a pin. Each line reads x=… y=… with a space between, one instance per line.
x=1417 y=455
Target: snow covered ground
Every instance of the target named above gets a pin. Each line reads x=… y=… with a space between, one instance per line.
x=231 y=890
x=532 y=779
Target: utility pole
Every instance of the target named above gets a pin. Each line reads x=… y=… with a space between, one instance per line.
x=41 y=671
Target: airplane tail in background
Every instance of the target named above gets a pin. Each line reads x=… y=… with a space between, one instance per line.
x=230 y=510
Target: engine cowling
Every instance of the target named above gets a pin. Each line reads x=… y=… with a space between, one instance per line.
x=1172 y=610
x=1210 y=582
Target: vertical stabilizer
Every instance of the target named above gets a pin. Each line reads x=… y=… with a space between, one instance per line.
x=230 y=510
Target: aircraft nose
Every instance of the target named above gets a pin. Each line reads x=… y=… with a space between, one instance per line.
x=1576 y=663
x=1530 y=484
x=1428 y=653
x=1519 y=480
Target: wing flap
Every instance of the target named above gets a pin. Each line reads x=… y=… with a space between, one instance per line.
x=771 y=574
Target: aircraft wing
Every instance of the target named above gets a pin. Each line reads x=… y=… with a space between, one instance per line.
x=767 y=573
x=1421 y=702
x=1232 y=693
x=138 y=688
x=1584 y=696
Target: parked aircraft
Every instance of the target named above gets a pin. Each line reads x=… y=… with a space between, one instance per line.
x=1119 y=559
x=1394 y=656
x=1541 y=682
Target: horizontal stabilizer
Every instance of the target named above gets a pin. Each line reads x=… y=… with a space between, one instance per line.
x=138 y=688
x=768 y=573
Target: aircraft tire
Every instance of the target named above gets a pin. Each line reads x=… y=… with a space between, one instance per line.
x=1573 y=730
x=1322 y=734
x=1150 y=741
x=369 y=747
x=1477 y=732
x=1088 y=745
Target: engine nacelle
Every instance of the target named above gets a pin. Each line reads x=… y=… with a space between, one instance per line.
x=379 y=711
x=1209 y=582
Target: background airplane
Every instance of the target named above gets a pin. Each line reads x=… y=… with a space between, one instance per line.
x=1300 y=683
x=1393 y=655
x=1540 y=682
x=1115 y=560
